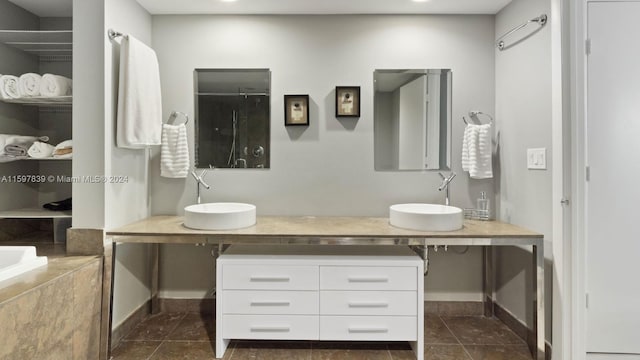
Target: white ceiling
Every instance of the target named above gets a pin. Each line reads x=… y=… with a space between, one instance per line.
x=62 y=8
x=323 y=6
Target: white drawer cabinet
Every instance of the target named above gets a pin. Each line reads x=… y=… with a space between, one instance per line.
x=317 y=293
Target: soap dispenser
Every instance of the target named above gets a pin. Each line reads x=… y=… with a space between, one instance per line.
x=482 y=205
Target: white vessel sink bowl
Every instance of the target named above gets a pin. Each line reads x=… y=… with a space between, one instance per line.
x=426 y=217
x=219 y=216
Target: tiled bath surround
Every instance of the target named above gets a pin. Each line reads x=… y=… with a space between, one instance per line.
x=53 y=312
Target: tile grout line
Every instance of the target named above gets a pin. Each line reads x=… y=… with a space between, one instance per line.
x=168 y=333
x=456 y=337
x=154 y=351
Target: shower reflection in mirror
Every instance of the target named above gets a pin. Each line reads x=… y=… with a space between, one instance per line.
x=232 y=108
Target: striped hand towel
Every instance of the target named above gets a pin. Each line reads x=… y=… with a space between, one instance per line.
x=476 y=151
x=174 y=153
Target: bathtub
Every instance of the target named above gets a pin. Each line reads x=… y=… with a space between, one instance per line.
x=16 y=260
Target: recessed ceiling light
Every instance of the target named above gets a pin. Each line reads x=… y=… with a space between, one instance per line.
x=420 y=0
x=228 y=0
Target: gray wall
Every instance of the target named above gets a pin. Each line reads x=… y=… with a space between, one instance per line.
x=106 y=206
x=325 y=169
x=523 y=119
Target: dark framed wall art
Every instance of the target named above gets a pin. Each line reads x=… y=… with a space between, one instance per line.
x=347 y=101
x=296 y=110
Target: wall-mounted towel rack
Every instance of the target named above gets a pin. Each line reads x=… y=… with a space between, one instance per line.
x=114 y=34
x=174 y=115
x=540 y=20
x=476 y=114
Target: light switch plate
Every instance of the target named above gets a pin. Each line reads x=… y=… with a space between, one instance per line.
x=537 y=159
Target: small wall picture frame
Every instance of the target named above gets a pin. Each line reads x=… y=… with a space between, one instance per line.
x=348 y=101
x=296 y=110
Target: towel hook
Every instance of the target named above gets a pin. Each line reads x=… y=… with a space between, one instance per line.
x=475 y=114
x=174 y=115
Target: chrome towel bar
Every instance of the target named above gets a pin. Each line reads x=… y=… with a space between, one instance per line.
x=540 y=20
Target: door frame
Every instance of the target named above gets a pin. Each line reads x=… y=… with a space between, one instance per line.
x=578 y=178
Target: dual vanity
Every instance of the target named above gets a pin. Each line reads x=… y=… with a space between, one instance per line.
x=356 y=278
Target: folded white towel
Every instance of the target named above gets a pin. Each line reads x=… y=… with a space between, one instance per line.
x=7 y=139
x=55 y=85
x=139 y=122
x=477 y=151
x=174 y=154
x=64 y=150
x=9 y=87
x=40 y=150
x=29 y=85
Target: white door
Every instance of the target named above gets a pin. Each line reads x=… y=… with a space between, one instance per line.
x=613 y=190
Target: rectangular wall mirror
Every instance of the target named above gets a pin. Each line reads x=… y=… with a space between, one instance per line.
x=233 y=117
x=412 y=119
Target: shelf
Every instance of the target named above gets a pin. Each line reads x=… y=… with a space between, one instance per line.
x=62 y=101
x=34 y=213
x=5 y=159
x=54 y=45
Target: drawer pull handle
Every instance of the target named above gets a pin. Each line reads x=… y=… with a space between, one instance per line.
x=368 y=330
x=270 y=303
x=270 y=279
x=270 y=329
x=368 y=279
x=368 y=305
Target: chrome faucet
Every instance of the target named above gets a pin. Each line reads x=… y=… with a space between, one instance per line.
x=446 y=180
x=200 y=181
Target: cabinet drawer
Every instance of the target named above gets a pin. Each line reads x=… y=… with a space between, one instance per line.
x=270 y=327
x=270 y=302
x=269 y=277
x=369 y=328
x=368 y=303
x=368 y=278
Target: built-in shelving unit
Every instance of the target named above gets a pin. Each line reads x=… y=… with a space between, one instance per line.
x=48 y=46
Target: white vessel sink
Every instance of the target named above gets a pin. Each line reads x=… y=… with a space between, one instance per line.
x=426 y=217
x=219 y=216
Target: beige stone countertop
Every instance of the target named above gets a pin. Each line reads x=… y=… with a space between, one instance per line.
x=165 y=227
x=57 y=266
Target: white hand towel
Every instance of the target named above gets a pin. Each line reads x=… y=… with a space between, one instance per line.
x=64 y=150
x=174 y=154
x=40 y=150
x=139 y=123
x=6 y=139
x=9 y=87
x=476 y=151
x=55 y=85
x=29 y=85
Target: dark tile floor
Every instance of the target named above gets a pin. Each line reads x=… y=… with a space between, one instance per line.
x=191 y=336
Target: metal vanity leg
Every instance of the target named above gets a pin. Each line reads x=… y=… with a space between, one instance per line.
x=155 y=278
x=487 y=282
x=538 y=304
